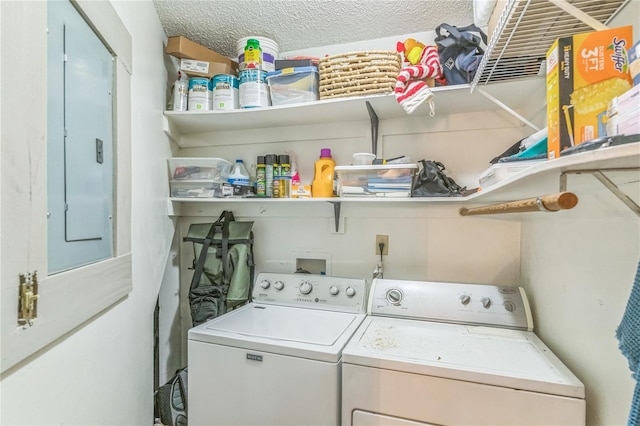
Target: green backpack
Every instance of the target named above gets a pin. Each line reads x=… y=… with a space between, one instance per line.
x=223 y=266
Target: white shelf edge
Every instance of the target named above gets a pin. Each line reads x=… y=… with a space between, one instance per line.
x=448 y=100
x=536 y=178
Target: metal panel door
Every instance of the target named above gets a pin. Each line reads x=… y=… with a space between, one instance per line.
x=80 y=141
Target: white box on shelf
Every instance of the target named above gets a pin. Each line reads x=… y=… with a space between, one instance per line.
x=502 y=171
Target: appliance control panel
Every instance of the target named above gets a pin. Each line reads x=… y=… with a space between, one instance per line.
x=474 y=304
x=311 y=291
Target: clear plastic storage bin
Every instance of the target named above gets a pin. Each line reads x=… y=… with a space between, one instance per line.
x=293 y=85
x=391 y=180
x=197 y=177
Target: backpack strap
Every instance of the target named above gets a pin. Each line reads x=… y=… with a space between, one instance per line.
x=197 y=273
x=225 y=244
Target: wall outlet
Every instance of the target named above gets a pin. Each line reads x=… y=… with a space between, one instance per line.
x=385 y=240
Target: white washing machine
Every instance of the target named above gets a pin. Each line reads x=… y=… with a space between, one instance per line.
x=454 y=354
x=277 y=360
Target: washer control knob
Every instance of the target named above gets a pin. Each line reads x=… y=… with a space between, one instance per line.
x=305 y=287
x=265 y=284
x=486 y=302
x=334 y=290
x=394 y=296
x=509 y=306
x=465 y=299
x=279 y=285
x=350 y=292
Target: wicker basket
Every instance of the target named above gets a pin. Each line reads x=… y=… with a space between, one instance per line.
x=358 y=73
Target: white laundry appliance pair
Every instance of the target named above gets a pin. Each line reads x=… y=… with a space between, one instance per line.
x=303 y=353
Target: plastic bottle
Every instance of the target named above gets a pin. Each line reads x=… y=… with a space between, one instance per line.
x=239 y=174
x=180 y=93
x=322 y=185
x=253 y=54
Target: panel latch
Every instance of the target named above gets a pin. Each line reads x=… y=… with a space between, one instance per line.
x=28 y=298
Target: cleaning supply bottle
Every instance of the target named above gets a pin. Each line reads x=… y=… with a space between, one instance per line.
x=322 y=185
x=253 y=54
x=239 y=174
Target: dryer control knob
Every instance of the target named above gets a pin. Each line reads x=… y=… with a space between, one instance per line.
x=509 y=306
x=394 y=296
x=265 y=284
x=486 y=302
x=279 y=285
x=305 y=287
x=465 y=299
x=350 y=291
x=334 y=290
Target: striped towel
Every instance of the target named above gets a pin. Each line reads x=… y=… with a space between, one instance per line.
x=411 y=90
x=628 y=334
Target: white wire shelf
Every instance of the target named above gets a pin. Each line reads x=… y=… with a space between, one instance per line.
x=527 y=29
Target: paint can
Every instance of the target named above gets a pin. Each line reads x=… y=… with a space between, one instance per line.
x=198 y=94
x=254 y=92
x=224 y=88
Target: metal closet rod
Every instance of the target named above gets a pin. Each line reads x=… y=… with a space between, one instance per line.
x=544 y=203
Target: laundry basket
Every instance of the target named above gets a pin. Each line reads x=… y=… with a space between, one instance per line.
x=358 y=73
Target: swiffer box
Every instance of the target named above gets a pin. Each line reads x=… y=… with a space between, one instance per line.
x=183 y=48
x=584 y=72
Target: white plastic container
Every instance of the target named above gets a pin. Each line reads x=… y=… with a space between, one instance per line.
x=239 y=174
x=270 y=52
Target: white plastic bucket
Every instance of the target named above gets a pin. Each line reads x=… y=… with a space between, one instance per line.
x=270 y=52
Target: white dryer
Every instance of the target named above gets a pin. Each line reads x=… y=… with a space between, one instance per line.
x=277 y=360
x=454 y=354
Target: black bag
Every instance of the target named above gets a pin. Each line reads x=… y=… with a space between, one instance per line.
x=223 y=266
x=460 y=50
x=171 y=400
x=431 y=181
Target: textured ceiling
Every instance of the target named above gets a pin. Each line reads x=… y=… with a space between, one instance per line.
x=302 y=24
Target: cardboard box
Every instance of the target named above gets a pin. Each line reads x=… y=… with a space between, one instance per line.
x=301 y=191
x=195 y=68
x=183 y=48
x=584 y=72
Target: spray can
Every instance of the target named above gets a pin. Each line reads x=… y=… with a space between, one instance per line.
x=261 y=175
x=322 y=185
x=285 y=176
x=270 y=159
x=180 y=93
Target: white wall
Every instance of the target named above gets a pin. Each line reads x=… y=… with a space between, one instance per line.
x=102 y=373
x=578 y=269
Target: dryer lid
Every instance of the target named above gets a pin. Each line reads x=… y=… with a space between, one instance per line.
x=502 y=357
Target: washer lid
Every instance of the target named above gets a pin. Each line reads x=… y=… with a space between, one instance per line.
x=502 y=357
x=306 y=333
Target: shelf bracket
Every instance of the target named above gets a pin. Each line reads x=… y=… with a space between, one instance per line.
x=374 y=128
x=336 y=214
x=508 y=109
x=608 y=183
